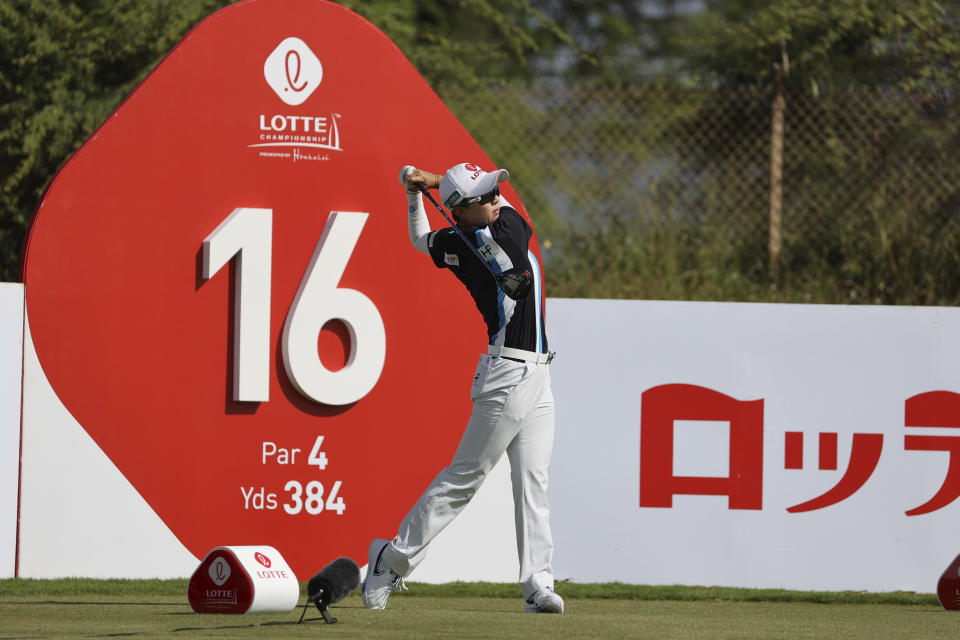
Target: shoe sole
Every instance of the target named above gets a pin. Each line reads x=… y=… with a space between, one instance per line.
x=542 y=610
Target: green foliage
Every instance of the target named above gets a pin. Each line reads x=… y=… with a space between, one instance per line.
x=616 y=41
x=64 y=66
x=828 y=43
x=878 y=188
x=465 y=43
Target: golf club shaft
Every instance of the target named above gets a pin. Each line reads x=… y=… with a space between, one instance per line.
x=462 y=235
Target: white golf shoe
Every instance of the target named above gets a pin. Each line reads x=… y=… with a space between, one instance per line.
x=544 y=601
x=380 y=581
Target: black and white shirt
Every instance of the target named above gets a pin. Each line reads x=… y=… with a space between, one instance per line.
x=505 y=243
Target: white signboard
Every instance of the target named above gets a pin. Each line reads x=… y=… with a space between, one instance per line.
x=11 y=368
x=755 y=445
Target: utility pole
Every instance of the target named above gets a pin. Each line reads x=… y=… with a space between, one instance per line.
x=778 y=108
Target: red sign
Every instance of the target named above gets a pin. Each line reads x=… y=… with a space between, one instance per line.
x=666 y=403
x=743 y=483
x=948 y=586
x=221 y=290
x=220 y=585
x=227 y=582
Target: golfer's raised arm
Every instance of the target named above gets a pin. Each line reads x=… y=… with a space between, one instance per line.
x=417 y=223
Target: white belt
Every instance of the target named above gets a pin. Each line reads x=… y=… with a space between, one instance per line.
x=520 y=354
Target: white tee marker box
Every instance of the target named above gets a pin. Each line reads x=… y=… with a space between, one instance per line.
x=243 y=579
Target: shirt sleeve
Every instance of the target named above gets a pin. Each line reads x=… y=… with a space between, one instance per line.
x=443 y=248
x=516 y=227
x=417 y=223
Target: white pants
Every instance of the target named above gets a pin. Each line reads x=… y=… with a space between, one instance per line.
x=512 y=412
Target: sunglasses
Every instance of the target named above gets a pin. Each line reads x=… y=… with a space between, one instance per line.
x=485 y=198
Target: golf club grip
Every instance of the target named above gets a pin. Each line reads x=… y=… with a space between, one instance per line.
x=460 y=233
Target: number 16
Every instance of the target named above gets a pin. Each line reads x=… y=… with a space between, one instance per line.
x=247 y=234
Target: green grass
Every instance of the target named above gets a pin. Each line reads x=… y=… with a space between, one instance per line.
x=159 y=608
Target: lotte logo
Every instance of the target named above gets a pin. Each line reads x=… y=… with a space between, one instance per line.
x=219 y=571
x=667 y=405
x=293 y=71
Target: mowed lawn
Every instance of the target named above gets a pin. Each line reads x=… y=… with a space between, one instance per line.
x=127 y=609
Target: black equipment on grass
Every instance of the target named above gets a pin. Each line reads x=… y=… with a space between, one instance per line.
x=334 y=583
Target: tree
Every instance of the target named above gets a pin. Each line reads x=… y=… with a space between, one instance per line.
x=615 y=41
x=467 y=43
x=829 y=43
x=64 y=67
x=869 y=179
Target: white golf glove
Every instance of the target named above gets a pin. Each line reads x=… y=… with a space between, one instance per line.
x=403 y=178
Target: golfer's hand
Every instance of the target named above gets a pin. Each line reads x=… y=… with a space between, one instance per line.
x=411 y=178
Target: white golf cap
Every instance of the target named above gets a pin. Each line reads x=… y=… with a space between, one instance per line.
x=467 y=180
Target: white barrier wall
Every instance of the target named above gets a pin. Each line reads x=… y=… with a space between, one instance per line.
x=11 y=366
x=79 y=516
x=838 y=376
x=777 y=442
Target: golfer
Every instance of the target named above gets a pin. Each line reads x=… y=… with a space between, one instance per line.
x=512 y=401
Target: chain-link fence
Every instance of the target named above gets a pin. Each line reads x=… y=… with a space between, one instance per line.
x=854 y=197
